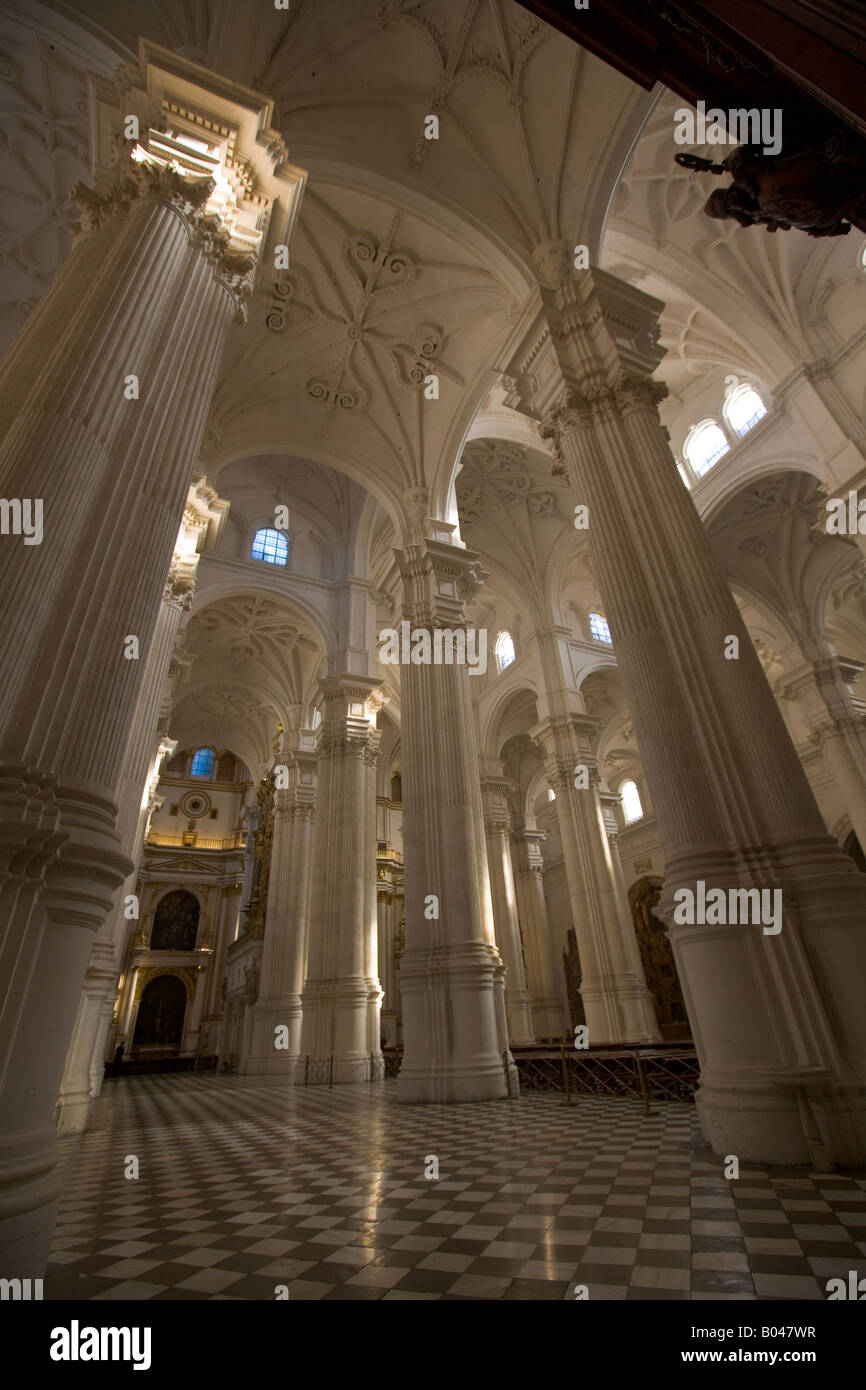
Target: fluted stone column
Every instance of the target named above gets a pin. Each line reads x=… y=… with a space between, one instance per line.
x=543 y=972
x=342 y=997
x=451 y=973
x=497 y=828
x=213 y=1011
x=141 y=299
x=390 y=907
x=285 y=945
x=777 y=1019
x=836 y=719
x=617 y=1004
x=95 y=1010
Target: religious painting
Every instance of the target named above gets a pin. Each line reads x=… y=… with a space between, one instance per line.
x=175 y=925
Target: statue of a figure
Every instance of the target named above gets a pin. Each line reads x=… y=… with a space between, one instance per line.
x=820 y=191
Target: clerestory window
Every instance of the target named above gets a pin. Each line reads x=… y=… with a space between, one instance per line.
x=271 y=546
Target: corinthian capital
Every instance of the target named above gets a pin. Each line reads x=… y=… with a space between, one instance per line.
x=597 y=400
x=179 y=588
x=142 y=179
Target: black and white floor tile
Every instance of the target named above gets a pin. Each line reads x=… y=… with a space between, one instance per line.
x=246 y=1183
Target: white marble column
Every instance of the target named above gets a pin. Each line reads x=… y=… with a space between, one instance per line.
x=95 y=1011
x=284 y=951
x=113 y=472
x=617 y=1004
x=451 y=973
x=342 y=996
x=544 y=978
x=497 y=829
x=777 y=1019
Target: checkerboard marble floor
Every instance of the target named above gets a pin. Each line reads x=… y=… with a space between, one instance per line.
x=246 y=1183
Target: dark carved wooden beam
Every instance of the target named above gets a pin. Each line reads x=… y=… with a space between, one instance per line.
x=804 y=57
x=727 y=52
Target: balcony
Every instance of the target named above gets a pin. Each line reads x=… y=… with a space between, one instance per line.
x=189 y=839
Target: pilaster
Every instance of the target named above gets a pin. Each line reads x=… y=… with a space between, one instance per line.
x=342 y=996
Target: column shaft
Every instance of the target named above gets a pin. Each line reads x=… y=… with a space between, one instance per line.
x=113 y=473
x=342 y=996
x=543 y=971
x=497 y=827
x=451 y=974
x=284 y=951
x=771 y=1014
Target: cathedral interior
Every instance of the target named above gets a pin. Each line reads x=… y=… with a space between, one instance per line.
x=432 y=713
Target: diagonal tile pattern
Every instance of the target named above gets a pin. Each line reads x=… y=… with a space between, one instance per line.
x=246 y=1183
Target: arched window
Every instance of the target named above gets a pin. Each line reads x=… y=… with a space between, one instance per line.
x=705 y=445
x=631 y=805
x=271 y=545
x=505 y=652
x=551 y=794
x=599 y=628
x=202 y=763
x=743 y=409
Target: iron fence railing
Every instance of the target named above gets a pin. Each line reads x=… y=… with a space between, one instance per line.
x=647 y=1072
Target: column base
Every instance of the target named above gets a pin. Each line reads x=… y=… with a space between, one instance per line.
x=548 y=1021
x=342 y=1069
x=518 y=1011
x=270 y=1014
x=72 y=1112
x=765 y=1124
x=448 y=1085
x=28 y=1205
x=454 y=1048
x=619 y=1011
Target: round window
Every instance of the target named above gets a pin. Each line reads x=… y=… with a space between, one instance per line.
x=195 y=805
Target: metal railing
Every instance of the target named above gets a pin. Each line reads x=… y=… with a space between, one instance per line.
x=650 y=1072
x=190 y=840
